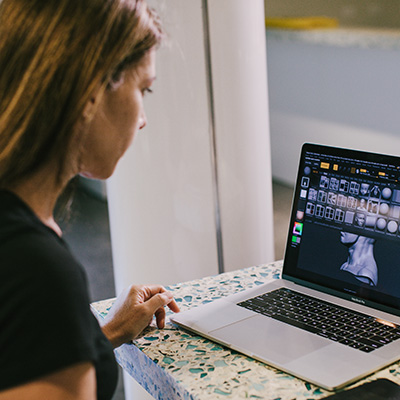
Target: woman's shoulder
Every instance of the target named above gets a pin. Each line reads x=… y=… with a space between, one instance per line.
x=35 y=258
x=25 y=240
x=16 y=217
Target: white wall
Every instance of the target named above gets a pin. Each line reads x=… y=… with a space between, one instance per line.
x=331 y=95
x=239 y=66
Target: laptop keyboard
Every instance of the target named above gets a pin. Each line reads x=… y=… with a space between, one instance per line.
x=330 y=321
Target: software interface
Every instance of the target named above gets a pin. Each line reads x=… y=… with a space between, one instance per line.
x=347 y=222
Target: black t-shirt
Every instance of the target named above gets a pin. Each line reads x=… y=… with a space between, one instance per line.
x=45 y=318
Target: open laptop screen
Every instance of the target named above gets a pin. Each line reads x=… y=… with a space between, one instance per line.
x=344 y=233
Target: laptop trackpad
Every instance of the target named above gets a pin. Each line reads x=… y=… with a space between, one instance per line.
x=269 y=340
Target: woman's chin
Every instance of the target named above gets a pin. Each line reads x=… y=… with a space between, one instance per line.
x=99 y=176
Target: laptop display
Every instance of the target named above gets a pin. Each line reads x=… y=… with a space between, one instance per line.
x=345 y=225
x=334 y=316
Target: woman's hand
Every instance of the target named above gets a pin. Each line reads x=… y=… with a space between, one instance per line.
x=133 y=311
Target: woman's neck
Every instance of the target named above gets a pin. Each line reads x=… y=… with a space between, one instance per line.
x=40 y=192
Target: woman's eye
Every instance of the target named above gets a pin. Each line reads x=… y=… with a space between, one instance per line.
x=146 y=90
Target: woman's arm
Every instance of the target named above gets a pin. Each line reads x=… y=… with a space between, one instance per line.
x=77 y=382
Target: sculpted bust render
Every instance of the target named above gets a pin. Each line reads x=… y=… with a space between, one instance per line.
x=360 y=261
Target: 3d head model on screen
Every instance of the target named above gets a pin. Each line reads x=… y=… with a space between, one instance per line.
x=360 y=261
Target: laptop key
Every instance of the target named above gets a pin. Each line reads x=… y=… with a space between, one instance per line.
x=370 y=343
x=379 y=339
x=297 y=324
x=356 y=345
x=367 y=349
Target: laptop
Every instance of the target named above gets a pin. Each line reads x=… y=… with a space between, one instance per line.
x=334 y=316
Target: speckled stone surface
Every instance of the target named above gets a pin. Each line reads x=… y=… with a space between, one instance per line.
x=388 y=39
x=174 y=364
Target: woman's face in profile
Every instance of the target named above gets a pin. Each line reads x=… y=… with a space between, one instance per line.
x=118 y=116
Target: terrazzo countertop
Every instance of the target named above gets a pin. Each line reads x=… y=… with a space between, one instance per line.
x=367 y=38
x=174 y=364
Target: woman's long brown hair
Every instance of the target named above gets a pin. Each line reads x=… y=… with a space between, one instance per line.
x=53 y=55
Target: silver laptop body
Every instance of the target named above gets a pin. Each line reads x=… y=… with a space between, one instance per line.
x=343 y=249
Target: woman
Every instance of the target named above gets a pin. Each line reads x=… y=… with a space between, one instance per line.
x=73 y=74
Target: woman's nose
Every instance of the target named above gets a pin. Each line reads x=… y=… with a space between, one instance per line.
x=142 y=121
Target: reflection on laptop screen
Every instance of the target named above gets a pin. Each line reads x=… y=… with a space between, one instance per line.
x=345 y=225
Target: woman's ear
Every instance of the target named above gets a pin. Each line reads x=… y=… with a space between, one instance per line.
x=92 y=104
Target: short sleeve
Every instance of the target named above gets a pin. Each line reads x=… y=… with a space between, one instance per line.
x=45 y=318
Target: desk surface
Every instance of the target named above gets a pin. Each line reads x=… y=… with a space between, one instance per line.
x=174 y=364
